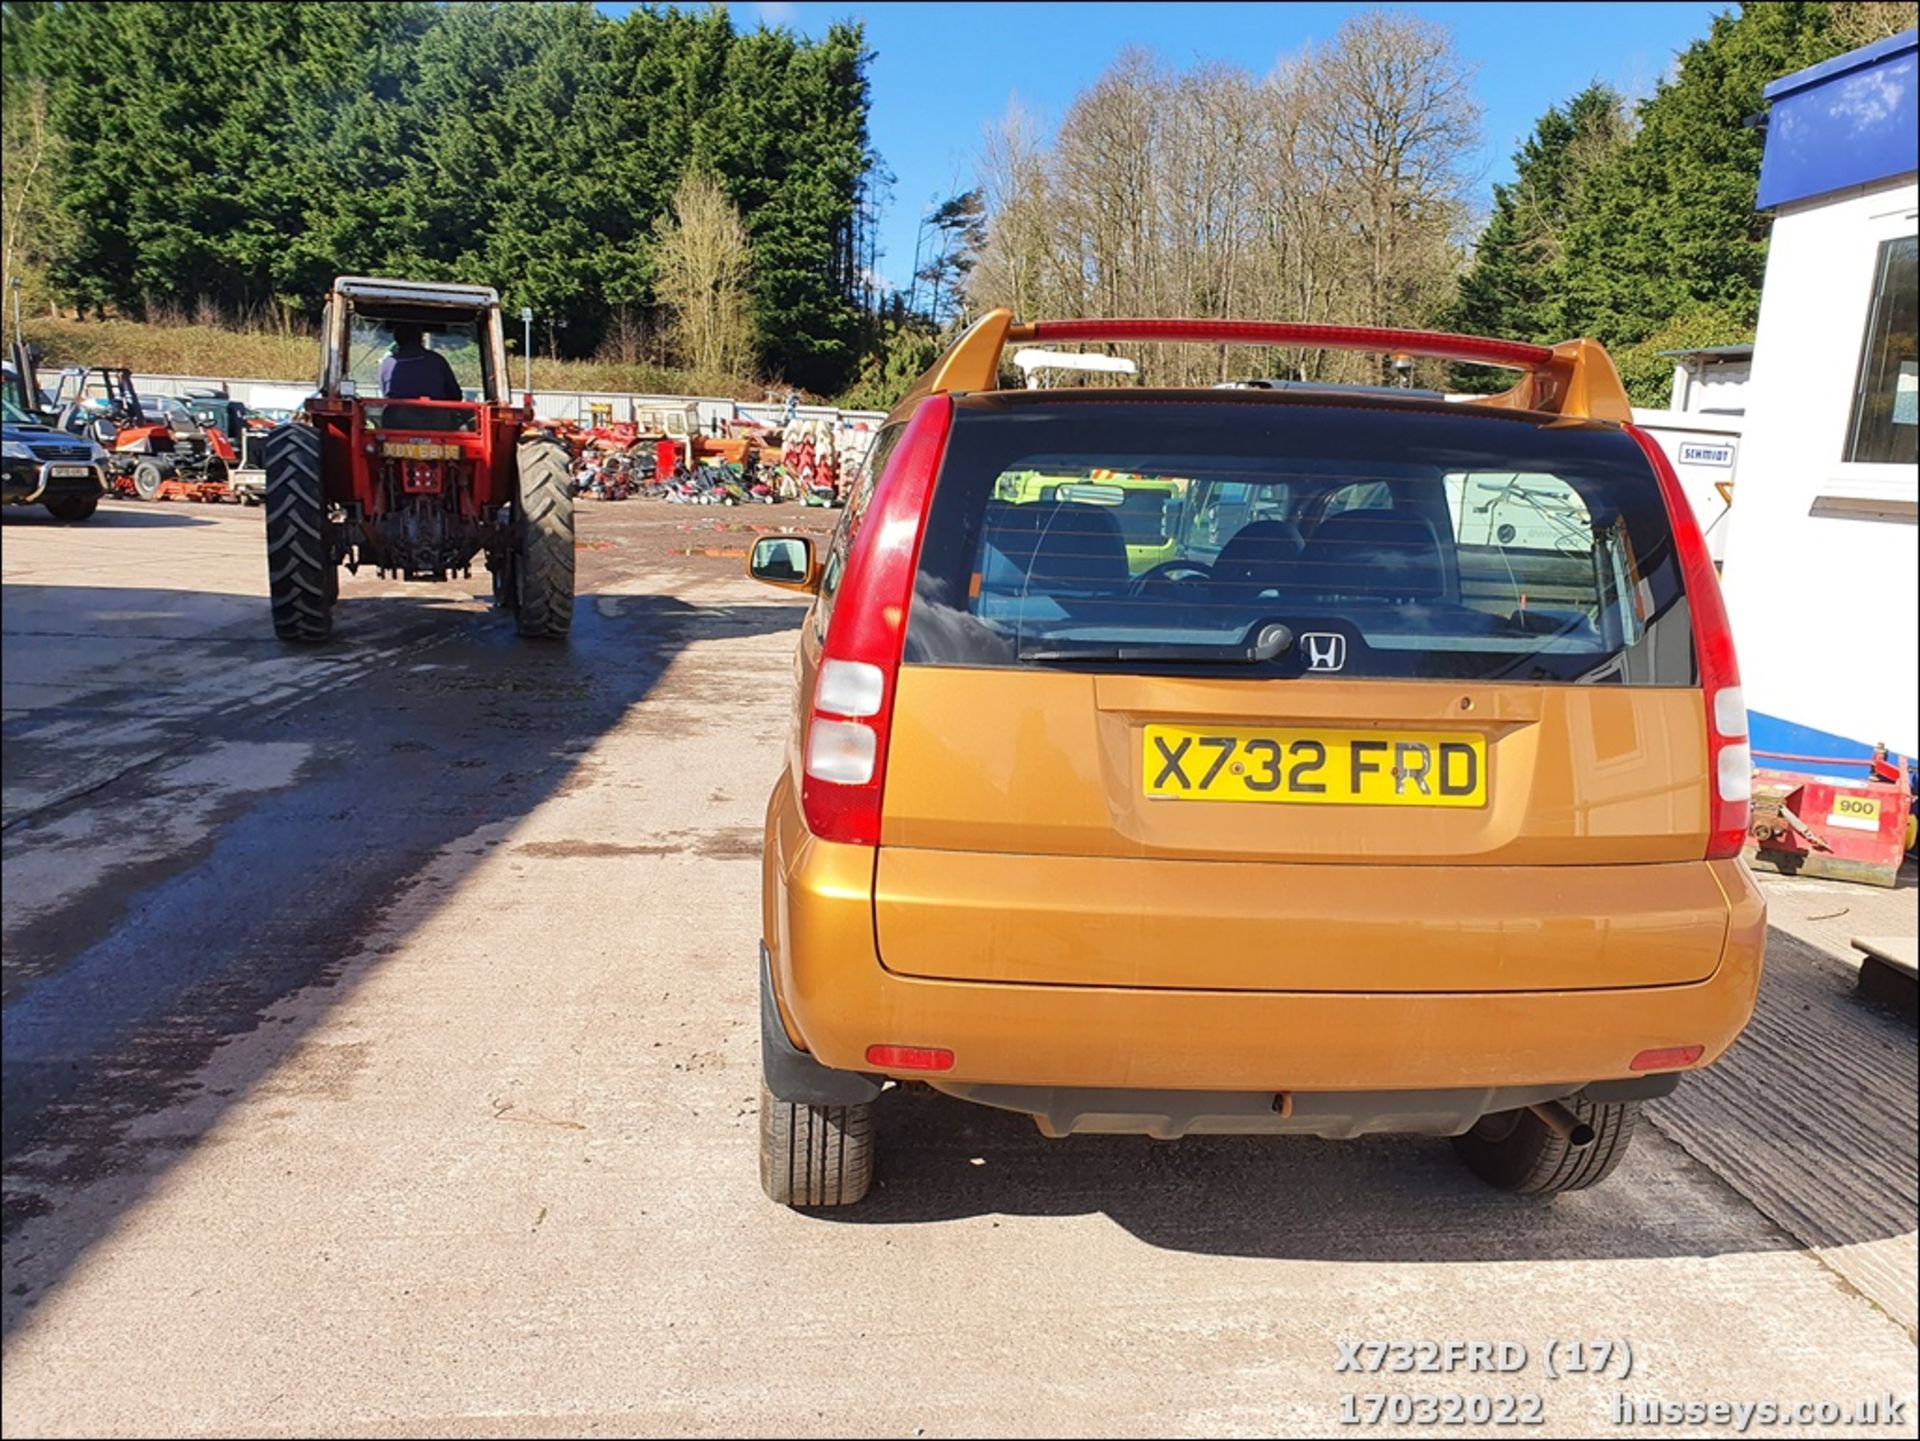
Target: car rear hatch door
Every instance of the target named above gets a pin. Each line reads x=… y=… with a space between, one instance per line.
x=1426 y=720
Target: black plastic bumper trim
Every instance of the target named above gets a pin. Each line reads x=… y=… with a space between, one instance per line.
x=1635 y=1088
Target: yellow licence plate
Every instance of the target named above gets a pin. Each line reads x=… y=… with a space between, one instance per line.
x=419 y=450
x=1317 y=766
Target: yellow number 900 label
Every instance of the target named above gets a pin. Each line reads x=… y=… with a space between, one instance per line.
x=1859 y=813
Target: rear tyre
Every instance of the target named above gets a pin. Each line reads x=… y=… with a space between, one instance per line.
x=1515 y=1151
x=72 y=508
x=814 y=1155
x=147 y=478
x=543 y=544
x=301 y=580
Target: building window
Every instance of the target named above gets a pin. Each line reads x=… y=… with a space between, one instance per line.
x=1886 y=401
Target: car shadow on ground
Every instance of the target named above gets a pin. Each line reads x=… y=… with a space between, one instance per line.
x=108 y=517
x=118 y=996
x=1845 y=1164
x=1813 y=1115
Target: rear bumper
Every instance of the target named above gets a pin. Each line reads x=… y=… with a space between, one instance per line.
x=835 y=999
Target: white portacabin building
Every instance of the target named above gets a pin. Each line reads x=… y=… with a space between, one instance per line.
x=1820 y=558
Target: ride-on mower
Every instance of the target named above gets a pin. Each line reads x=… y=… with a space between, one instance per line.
x=150 y=454
x=414 y=487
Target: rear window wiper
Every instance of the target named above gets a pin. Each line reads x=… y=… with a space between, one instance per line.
x=1271 y=642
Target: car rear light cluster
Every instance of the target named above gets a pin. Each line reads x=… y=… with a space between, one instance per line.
x=845 y=752
x=847 y=733
x=1729 y=756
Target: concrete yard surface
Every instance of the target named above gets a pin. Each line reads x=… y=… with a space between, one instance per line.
x=381 y=1057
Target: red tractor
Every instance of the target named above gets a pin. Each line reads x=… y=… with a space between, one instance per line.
x=416 y=487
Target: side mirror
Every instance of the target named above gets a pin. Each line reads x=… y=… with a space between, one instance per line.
x=785 y=561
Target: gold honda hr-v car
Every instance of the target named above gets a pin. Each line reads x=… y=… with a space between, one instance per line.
x=1405 y=795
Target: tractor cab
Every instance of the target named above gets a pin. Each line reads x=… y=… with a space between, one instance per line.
x=370 y=324
x=382 y=337
x=413 y=458
x=215 y=410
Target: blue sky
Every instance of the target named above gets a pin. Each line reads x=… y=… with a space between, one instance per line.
x=945 y=71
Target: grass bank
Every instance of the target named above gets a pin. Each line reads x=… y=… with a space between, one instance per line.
x=150 y=349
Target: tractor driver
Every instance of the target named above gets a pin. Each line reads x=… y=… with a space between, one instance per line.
x=412 y=372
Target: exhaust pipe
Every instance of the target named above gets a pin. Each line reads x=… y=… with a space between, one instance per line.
x=1560 y=1120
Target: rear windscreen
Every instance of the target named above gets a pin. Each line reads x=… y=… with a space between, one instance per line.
x=1298 y=539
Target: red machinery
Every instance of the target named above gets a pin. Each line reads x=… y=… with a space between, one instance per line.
x=151 y=456
x=416 y=488
x=1823 y=823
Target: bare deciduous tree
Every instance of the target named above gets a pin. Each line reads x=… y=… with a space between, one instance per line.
x=1394 y=121
x=32 y=225
x=1861 y=22
x=1016 y=255
x=702 y=261
x=1330 y=191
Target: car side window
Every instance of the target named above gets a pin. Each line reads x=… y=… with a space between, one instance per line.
x=1518 y=509
x=833 y=568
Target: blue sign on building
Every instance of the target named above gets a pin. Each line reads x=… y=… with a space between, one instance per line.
x=1848 y=121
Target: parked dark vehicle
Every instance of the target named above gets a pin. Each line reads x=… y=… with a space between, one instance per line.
x=45 y=467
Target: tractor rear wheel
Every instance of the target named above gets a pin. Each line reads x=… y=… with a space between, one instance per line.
x=543 y=543
x=301 y=581
x=147 y=478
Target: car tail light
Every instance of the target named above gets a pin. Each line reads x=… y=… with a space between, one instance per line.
x=1729 y=756
x=910 y=1058
x=846 y=758
x=1667 y=1058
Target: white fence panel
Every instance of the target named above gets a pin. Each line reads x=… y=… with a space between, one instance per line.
x=573 y=405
